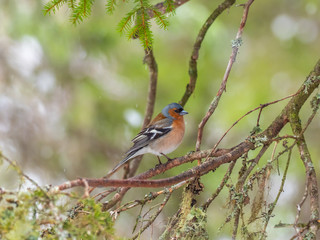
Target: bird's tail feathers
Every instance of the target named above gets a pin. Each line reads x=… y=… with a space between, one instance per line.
x=122 y=162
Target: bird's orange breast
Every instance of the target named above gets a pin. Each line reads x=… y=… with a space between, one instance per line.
x=172 y=140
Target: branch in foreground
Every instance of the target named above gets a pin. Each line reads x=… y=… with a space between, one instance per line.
x=138 y=181
x=311 y=176
x=162 y=168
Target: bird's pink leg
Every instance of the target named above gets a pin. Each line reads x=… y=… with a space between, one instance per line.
x=169 y=159
x=159 y=160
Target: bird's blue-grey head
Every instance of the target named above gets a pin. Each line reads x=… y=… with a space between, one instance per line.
x=178 y=109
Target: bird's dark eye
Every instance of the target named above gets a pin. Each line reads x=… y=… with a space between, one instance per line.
x=178 y=110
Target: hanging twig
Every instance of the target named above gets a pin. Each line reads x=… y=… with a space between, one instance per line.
x=222 y=184
x=240 y=183
x=273 y=205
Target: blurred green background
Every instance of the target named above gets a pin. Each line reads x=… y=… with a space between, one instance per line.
x=72 y=97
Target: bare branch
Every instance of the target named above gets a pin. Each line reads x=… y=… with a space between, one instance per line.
x=227 y=156
x=193 y=72
x=139 y=181
x=163 y=168
x=312 y=184
x=260 y=107
x=150 y=60
x=235 y=47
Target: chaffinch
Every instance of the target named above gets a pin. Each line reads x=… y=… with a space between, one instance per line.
x=162 y=136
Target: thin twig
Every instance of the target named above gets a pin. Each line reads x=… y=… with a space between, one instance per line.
x=235 y=48
x=154 y=216
x=86 y=188
x=239 y=187
x=104 y=194
x=260 y=107
x=150 y=196
x=222 y=184
x=20 y=172
x=273 y=205
x=272 y=156
x=305 y=195
x=305 y=156
x=299 y=206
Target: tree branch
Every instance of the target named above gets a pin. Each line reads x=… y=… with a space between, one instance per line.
x=235 y=47
x=193 y=73
x=311 y=176
x=138 y=181
x=222 y=184
x=239 y=188
x=163 y=168
x=162 y=8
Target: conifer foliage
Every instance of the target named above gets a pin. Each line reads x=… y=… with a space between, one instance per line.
x=135 y=24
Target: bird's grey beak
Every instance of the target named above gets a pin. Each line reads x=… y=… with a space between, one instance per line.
x=183 y=112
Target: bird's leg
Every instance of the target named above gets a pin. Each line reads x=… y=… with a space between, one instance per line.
x=169 y=159
x=159 y=160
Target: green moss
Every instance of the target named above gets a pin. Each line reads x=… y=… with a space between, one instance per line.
x=31 y=214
